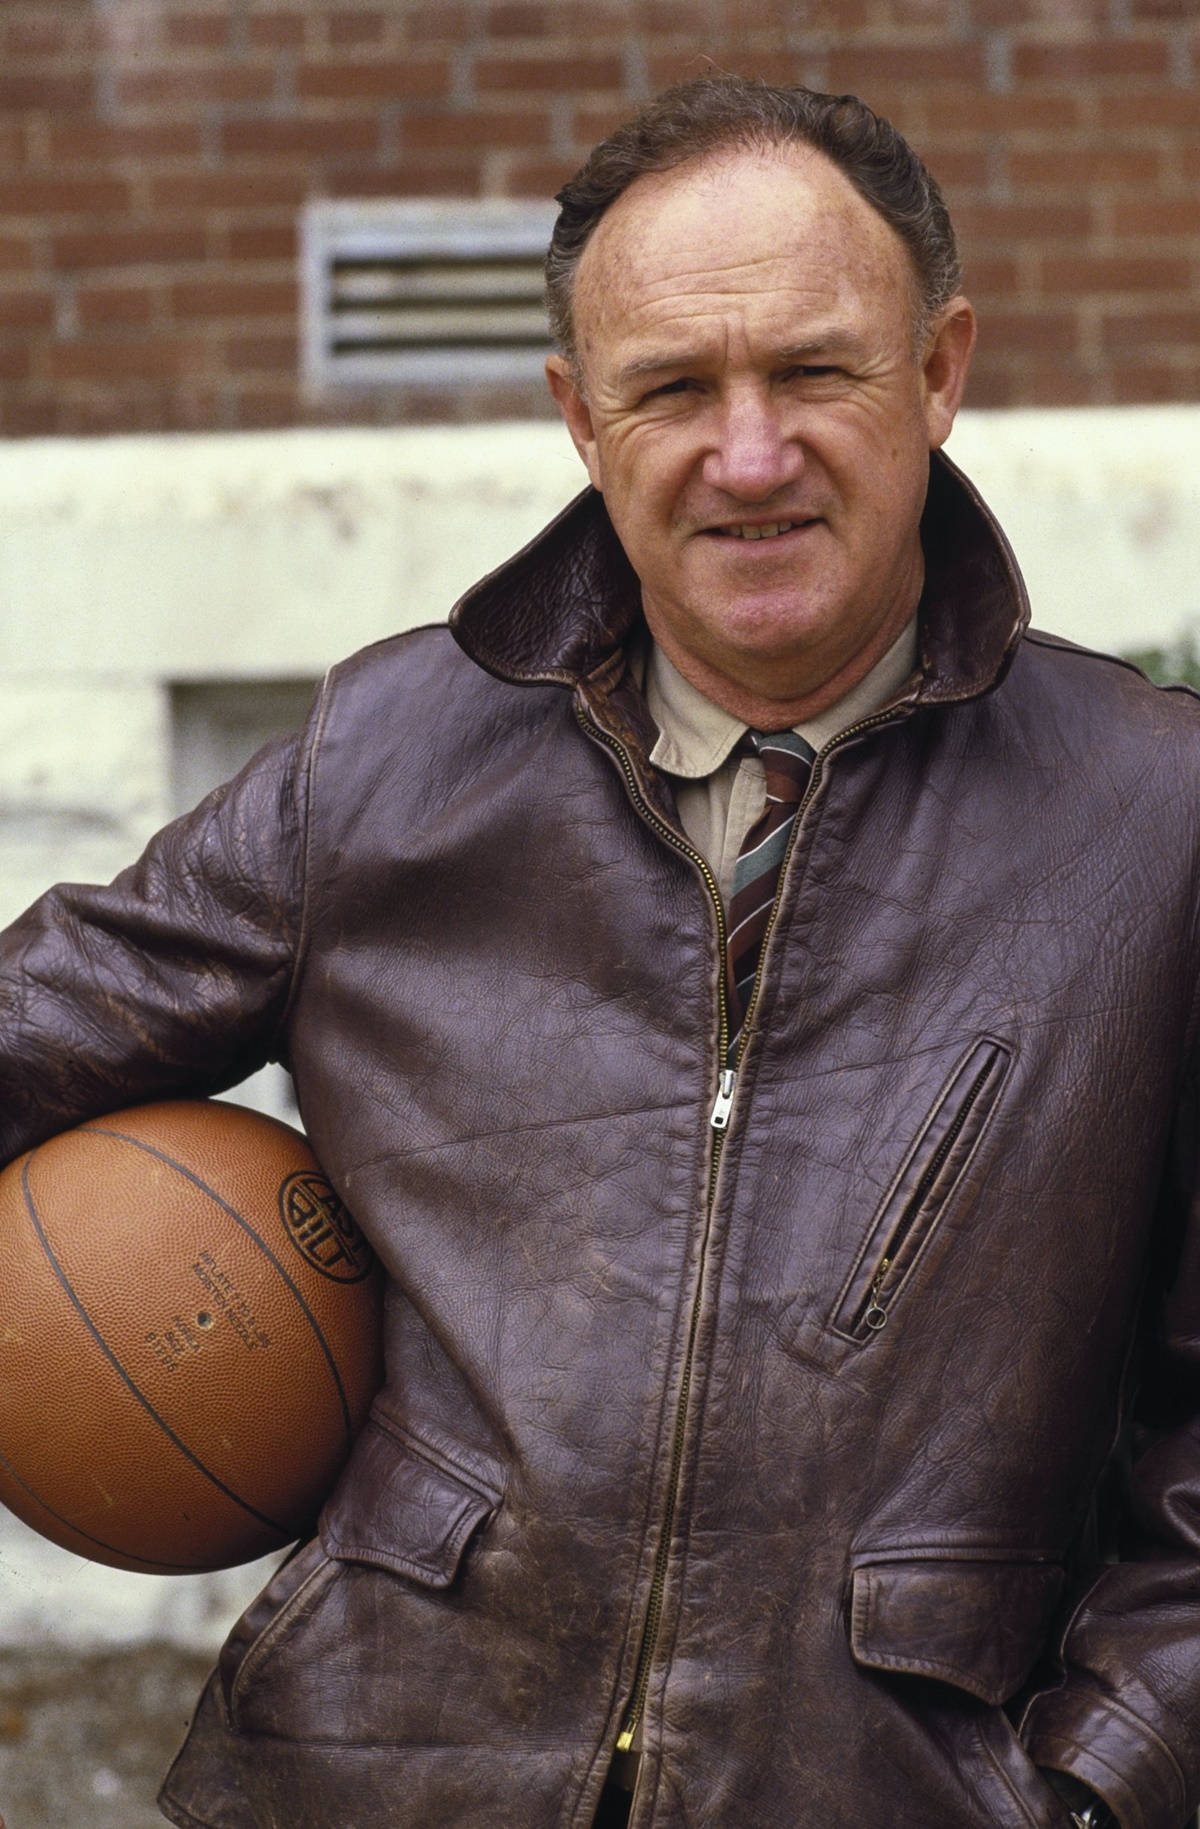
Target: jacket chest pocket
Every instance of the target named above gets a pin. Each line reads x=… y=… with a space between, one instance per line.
x=911 y=1209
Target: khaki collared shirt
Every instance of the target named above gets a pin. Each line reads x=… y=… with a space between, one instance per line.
x=719 y=794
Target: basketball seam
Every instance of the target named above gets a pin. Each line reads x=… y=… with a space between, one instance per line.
x=162 y=1423
x=98 y=1130
x=116 y=1549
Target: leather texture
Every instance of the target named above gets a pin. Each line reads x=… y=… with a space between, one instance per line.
x=967 y=1102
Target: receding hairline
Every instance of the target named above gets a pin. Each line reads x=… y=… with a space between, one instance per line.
x=723 y=113
x=759 y=149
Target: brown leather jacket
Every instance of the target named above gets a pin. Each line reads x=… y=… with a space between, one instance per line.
x=795 y=1437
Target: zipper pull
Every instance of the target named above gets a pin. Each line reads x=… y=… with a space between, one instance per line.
x=875 y=1316
x=719 y=1116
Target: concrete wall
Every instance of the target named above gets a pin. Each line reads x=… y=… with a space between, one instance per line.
x=132 y=565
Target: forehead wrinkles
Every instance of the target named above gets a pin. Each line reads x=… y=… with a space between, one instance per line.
x=774 y=232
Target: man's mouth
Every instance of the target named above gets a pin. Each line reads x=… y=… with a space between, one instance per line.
x=763 y=530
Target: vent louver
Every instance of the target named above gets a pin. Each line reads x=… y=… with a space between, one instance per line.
x=435 y=292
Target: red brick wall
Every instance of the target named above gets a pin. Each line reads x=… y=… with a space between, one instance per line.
x=154 y=154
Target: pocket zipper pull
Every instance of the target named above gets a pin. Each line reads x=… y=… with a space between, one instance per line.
x=875 y=1316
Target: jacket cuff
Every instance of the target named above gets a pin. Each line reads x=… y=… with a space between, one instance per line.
x=1113 y=1752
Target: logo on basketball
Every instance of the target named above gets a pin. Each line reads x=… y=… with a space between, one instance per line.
x=322 y=1230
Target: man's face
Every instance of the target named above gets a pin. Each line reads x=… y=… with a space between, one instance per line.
x=758 y=417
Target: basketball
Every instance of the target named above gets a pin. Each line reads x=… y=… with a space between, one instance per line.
x=190 y=1337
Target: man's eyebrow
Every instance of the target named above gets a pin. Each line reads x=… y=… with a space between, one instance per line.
x=834 y=342
x=655 y=364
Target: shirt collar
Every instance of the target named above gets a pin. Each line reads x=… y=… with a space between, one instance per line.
x=696 y=736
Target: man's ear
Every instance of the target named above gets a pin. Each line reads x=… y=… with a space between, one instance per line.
x=944 y=365
x=564 y=385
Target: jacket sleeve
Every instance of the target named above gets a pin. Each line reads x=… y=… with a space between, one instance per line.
x=173 y=980
x=1125 y=1717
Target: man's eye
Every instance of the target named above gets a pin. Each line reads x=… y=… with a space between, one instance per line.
x=679 y=386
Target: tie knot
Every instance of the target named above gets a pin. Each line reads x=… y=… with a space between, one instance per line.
x=787 y=762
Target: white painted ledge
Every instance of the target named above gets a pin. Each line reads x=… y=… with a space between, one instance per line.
x=255 y=554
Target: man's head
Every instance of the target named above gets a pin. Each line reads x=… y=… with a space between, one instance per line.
x=760 y=342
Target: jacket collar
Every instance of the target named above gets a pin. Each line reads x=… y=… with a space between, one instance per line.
x=559 y=610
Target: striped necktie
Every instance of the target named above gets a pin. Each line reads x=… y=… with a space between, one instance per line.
x=787 y=760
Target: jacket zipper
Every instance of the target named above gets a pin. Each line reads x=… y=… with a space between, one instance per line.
x=718 y=1124
x=871 y=1315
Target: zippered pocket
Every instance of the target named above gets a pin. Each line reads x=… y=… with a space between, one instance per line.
x=910 y=1210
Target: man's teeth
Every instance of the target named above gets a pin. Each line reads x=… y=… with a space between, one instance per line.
x=761 y=533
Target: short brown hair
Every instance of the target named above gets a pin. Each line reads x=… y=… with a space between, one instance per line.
x=712 y=113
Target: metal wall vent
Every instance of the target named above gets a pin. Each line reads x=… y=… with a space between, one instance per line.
x=419 y=291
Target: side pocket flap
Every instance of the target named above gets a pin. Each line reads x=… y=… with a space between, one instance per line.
x=977 y=1625
x=398 y=1508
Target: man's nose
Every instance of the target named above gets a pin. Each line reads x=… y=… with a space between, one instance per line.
x=753 y=452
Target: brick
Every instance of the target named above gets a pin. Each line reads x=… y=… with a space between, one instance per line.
x=980 y=224
x=1156 y=383
x=535 y=177
x=264 y=241
x=277 y=355
x=667 y=17
x=26 y=90
x=1105 y=273
x=519 y=19
x=12 y=144
x=1160 y=109
x=779 y=66
x=1073 y=169
x=938 y=14
x=197 y=31
x=277 y=31
x=16 y=364
x=309 y=139
x=440 y=22
x=16 y=254
x=439 y=131
x=1084 y=15
x=965 y=108
x=996 y=277
x=1173 y=217
x=83 y=196
x=957 y=168
x=128 y=247
x=98 y=307
x=38 y=36
x=186 y=89
x=233 y=298
x=1053 y=381
x=447 y=177
x=1144 y=328
x=361 y=27
x=134 y=359
x=230 y=190
x=264 y=409
x=863 y=68
x=1043 y=332
x=547 y=75
x=1089 y=60
x=23 y=309
x=402 y=80
x=99 y=143
x=38 y=417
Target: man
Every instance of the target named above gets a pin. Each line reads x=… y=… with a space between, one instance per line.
x=745 y=987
